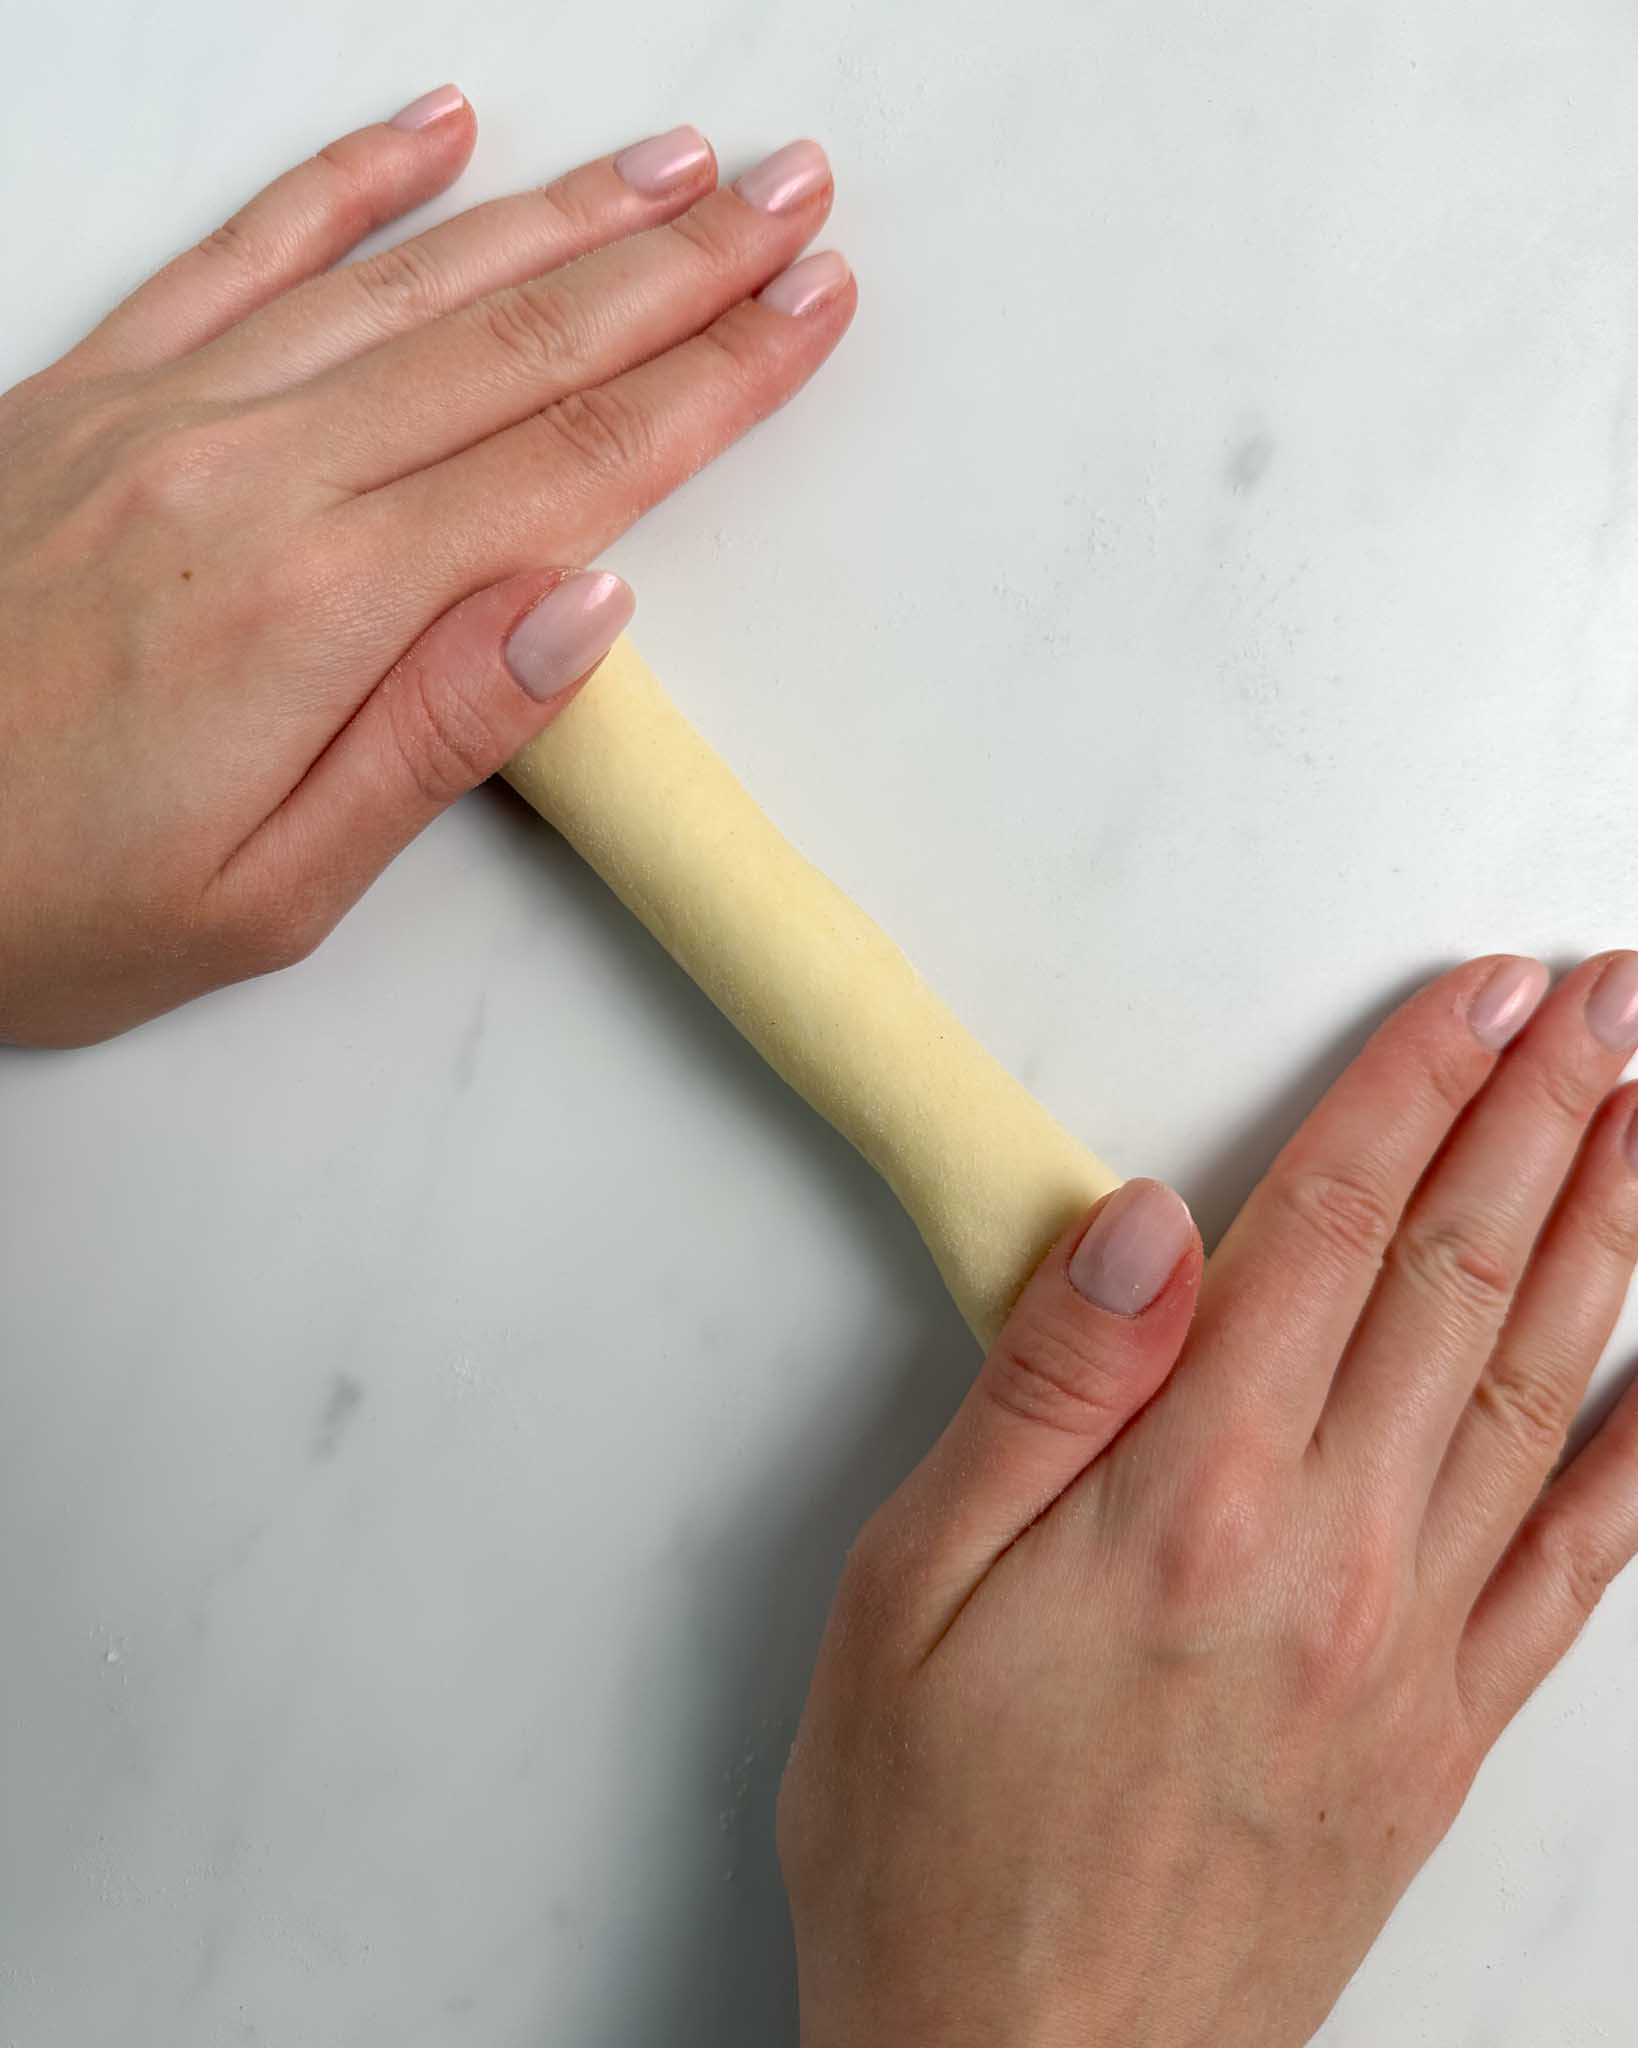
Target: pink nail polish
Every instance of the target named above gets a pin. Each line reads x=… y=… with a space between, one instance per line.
x=1132 y=1248
x=1507 y=1002
x=569 y=631
x=664 y=162
x=806 y=284
x=1612 y=1007
x=786 y=178
x=432 y=106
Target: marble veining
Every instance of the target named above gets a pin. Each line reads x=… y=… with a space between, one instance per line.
x=440 y=1382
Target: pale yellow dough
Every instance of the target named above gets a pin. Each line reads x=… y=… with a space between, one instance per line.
x=829 y=1001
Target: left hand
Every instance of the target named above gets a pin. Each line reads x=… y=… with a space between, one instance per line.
x=288 y=553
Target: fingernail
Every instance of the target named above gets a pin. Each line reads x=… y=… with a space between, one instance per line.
x=664 y=162
x=569 y=631
x=1132 y=1248
x=1612 y=1007
x=1632 y=1143
x=805 y=284
x=431 y=106
x=1507 y=1002
x=784 y=179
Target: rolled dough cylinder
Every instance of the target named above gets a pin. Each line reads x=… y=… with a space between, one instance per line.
x=988 y=1177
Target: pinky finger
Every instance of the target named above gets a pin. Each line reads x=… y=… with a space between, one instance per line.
x=1580 y=1535
x=296 y=227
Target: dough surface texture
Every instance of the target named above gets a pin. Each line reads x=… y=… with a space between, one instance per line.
x=987 y=1176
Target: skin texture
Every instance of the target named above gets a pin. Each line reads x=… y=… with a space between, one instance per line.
x=265 y=534
x=1147 y=1695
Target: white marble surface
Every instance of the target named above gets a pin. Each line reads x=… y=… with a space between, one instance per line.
x=438 y=1384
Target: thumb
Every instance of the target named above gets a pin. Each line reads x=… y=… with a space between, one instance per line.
x=478 y=685
x=1093 y=1337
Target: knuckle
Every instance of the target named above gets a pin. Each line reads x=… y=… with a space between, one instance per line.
x=706 y=233
x=231 y=242
x=1611 y=1229
x=1216 y=1539
x=530 y=325
x=1454 y=1261
x=1342 y=1209
x=1450 y=1075
x=1344 y=1623
x=739 y=342
x=1524 y=1407
x=1573 y=1561
x=1042 y=1375
x=172 y=467
x=569 y=218
x=346 y=198
x=440 y=735
x=1561 y=1093
x=401 y=282
x=604 y=431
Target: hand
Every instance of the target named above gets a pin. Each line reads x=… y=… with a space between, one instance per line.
x=1133 y=1730
x=284 y=550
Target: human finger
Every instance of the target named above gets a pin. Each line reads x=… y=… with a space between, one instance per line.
x=456 y=381
x=336 y=317
x=299 y=225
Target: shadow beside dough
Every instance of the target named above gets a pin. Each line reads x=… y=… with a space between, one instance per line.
x=716 y=1969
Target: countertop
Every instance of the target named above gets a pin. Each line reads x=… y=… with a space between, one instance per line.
x=439 y=1382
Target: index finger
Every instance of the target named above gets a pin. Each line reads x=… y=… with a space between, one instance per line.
x=1311 y=1239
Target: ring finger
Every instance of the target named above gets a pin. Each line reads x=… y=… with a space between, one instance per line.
x=1515 y=1425
x=337 y=316
x=436 y=391
x=1329 y=1205
x=1451 y=1272
x=568 y=480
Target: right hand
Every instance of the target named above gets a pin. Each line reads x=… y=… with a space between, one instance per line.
x=1148 y=1693
x=287 y=552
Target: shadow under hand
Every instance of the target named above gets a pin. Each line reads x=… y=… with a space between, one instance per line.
x=712 y=1965
x=718 y=1968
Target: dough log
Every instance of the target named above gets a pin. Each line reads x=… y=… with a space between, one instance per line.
x=988 y=1177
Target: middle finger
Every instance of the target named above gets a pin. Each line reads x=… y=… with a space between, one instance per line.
x=1454 y=1265
x=337 y=316
x=1287 y=1286
x=489 y=366
x=565 y=482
